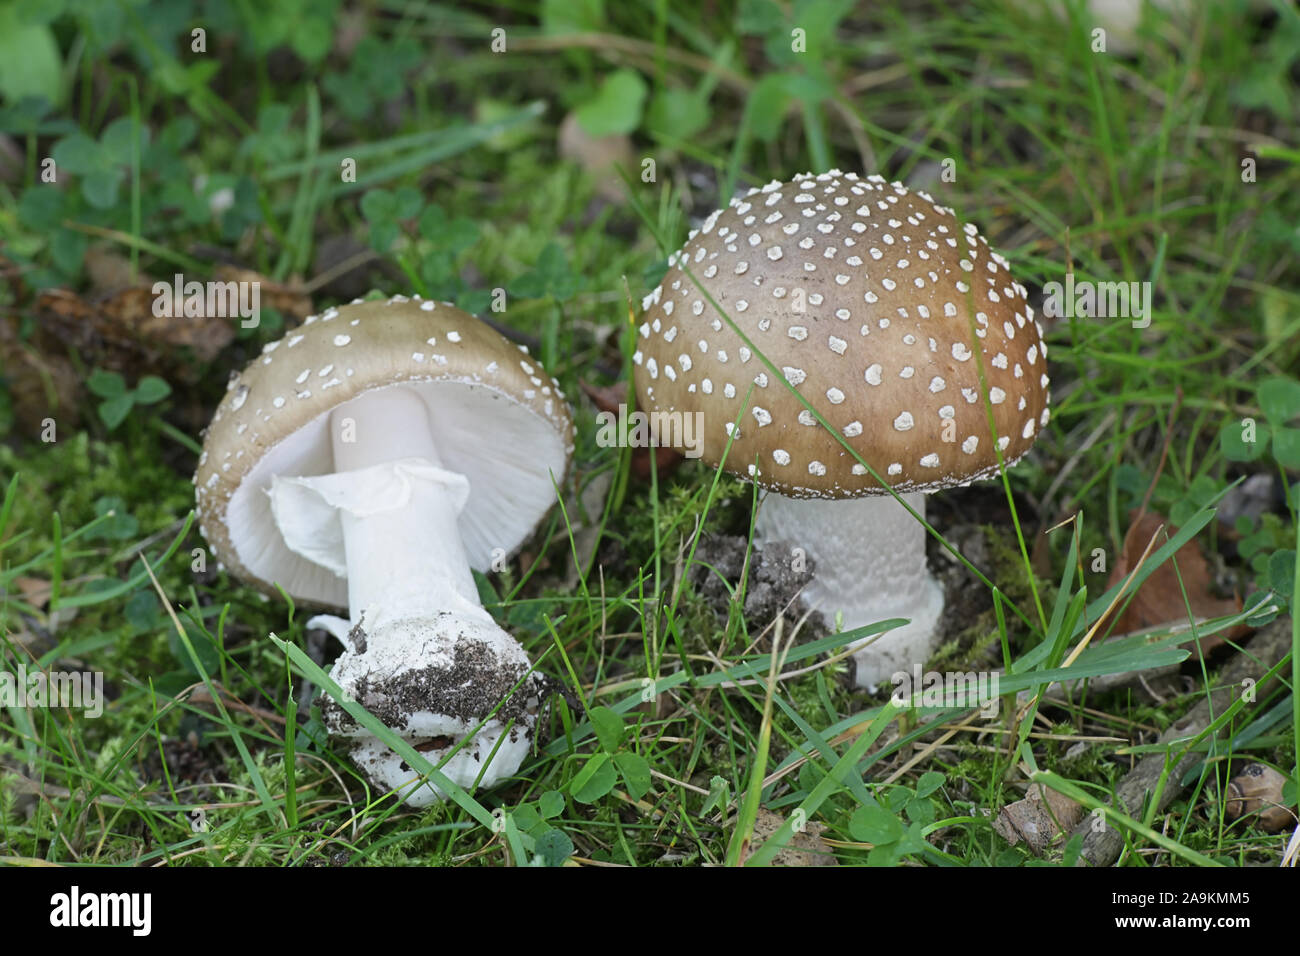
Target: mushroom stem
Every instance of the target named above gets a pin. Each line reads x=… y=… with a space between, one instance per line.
x=404 y=557
x=868 y=557
x=422 y=653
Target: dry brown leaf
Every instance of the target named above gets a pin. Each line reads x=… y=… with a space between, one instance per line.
x=1041 y=818
x=608 y=398
x=600 y=156
x=41 y=385
x=804 y=848
x=1257 y=789
x=1159 y=601
x=121 y=332
x=35 y=591
x=108 y=270
x=285 y=297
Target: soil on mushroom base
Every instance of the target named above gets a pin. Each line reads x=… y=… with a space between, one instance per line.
x=469 y=690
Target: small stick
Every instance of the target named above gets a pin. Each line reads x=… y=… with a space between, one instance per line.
x=1102 y=848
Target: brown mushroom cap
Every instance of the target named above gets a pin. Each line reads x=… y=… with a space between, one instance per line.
x=495 y=414
x=873 y=302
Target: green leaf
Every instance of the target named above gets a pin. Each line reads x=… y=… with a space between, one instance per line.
x=204 y=649
x=1182 y=512
x=875 y=825
x=151 y=389
x=616 y=107
x=526 y=816
x=106 y=384
x=758 y=17
x=1255 y=541
x=30 y=62
x=913 y=840
x=1286 y=447
x=898 y=798
x=120 y=527
x=551 y=277
x=68 y=249
x=450 y=235
x=719 y=791
x=809 y=88
x=765 y=109
x=407 y=203
x=116 y=141
x=571 y=16
x=475 y=301
x=609 y=728
x=551 y=804
x=382 y=234
x=41 y=208
x=930 y=781
x=594 y=780
x=378 y=205
x=1235 y=448
x=1281 y=573
x=554 y=847
x=635 y=771
x=883 y=854
x=677 y=114
x=143 y=613
x=921 y=811
x=78 y=154
x=312 y=39
x=113 y=411
x=1280 y=399
x=100 y=187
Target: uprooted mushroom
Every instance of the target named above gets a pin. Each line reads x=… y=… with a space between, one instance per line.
x=369 y=460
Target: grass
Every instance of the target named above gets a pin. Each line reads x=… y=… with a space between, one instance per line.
x=684 y=722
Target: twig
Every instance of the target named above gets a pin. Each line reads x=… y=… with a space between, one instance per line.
x=1103 y=847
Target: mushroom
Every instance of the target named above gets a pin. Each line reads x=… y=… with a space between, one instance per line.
x=889 y=317
x=369 y=460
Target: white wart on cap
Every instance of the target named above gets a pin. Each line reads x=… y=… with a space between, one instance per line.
x=872 y=301
x=497 y=418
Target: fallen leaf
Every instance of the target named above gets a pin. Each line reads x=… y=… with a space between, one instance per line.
x=1159 y=601
x=35 y=591
x=599 y=156
x=804 y=848
x=1041 y=818
x=1257 y=789
x=608 y=398
x=121 y=332
x=42 y=386
x=287 y=298
x=108 y=270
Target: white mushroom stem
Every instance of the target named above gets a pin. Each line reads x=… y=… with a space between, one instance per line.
x=868 y=563
x=422 y=653
x=402 y=560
